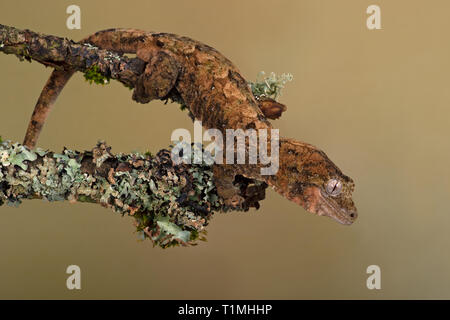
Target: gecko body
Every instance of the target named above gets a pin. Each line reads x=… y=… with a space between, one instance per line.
x=216 y=93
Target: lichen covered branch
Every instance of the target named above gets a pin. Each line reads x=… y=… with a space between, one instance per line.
x=171 y=204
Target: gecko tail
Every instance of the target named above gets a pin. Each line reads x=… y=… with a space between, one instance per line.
x=55 y=84
x=119 y=40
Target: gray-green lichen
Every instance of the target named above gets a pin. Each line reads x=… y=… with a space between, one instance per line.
x=269 y=86
x=171 y=204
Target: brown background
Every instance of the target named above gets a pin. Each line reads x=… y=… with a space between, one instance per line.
x=375 y=101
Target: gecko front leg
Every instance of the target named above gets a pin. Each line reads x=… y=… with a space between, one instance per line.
x=237 y=191
x=224 y=176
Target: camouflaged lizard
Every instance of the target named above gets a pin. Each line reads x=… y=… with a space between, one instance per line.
x=216 y=93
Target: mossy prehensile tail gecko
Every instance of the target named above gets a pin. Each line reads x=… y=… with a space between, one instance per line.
x=216 y=94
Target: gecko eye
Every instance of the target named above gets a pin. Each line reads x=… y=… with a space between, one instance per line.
x=334 y=187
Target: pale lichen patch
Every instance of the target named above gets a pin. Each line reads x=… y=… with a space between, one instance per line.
x=171 y=204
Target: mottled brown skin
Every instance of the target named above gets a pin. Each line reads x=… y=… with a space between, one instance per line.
x=302 y=178
x=216 y=93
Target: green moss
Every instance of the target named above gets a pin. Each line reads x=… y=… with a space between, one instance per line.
x=148 y=154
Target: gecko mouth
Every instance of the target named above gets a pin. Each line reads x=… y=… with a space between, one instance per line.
x=326 y=206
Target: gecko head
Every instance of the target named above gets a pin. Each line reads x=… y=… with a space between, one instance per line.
x=316 y=183
x=332 y=198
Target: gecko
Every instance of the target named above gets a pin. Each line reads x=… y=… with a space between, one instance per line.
x=218 y=95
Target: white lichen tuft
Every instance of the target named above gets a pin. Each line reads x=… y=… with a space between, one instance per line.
x=269 y=86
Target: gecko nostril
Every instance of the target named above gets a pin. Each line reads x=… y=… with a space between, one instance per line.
x=352 y=215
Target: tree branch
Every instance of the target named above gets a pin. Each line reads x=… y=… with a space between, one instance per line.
x=171 y=204
x=61 y=53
